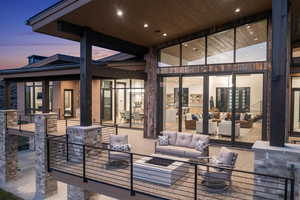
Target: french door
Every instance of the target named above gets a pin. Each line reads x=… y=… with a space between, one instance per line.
x=295 y=114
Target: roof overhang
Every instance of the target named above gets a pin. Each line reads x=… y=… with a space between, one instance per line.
x=175 y=17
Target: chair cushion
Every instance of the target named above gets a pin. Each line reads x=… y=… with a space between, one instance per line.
x=192 y=153
x=120 y=147
x=163 y=140
x=172 y=135
x=118 y=139
x=225 y=156
x=118 y=155
x=196 y=138
x=184 y=139
x=171 y=150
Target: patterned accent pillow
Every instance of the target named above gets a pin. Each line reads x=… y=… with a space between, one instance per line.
x=163 y=140
x=201 y=145
x=120 y=147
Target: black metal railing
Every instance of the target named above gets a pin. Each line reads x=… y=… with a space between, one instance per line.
x=179 y=179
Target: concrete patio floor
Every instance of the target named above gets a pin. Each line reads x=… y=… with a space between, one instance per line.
x=24 y=185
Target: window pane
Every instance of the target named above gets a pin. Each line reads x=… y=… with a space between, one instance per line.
x=193 y=52
x=251 y=42
x=220 y=47
x=248 y=102
x=170 y=56
x=296 y=52
x=170 y=103
x=192 y=103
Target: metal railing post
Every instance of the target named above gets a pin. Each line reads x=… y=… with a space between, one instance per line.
x=196 y=182
x=83 y=162
x=66 y=126
x=117 y=129
x=292 y=189
x=132 y=192
x=48 y=154
x=6 y=123
x=67 y=146
x=286 y=188
x=20 y=123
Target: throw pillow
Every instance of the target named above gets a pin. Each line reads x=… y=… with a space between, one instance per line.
x=194 y=117
x=120 y=147
x=200 y=145
x=163 y=140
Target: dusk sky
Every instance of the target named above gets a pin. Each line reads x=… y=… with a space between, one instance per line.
x=17 y=41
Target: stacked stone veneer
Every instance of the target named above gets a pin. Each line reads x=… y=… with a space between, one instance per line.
x=77 y=193
x=8 y=146
x=88 y=135
x=46 y=185
x=277 y=161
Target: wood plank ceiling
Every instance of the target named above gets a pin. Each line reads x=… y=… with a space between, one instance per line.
x=177 y=18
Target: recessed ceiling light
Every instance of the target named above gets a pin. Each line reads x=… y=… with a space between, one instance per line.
x=119 y=13
x=146 y=25
x=248 y=26
x=237 y=10
x=165 y=34
x=185 y=44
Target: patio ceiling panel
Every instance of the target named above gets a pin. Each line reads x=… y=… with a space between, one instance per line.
x=177 y=18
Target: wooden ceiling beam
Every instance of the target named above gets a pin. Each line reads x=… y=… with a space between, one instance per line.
x=102 y=40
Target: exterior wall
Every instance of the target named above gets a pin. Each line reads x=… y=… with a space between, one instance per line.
x=96 y=100
x=21 y=97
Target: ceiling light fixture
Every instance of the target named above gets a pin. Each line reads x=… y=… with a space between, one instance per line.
x=165 y=34
x=248 y=26
x=120 y=13
x=185 y=44
x=237 y=10
x=146 y=25
x=256 y=39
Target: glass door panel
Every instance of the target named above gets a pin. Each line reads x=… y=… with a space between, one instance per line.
x=296 y=110
x=170 y=103
x=220 y=103
x=192 y=104
x=68 y=103
x=137 y=107
x=249 y=107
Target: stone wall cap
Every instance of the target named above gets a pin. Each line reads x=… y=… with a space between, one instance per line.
x=85 y=127
x=9 y=110
x=265 y=146
x=45 y=114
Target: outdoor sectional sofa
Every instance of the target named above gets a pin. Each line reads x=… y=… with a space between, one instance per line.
x=183 y=145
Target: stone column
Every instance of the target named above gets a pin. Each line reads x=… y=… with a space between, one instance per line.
x=46 y=185
x=277 y=161
x=8 y=146
x=88 y=135
x=32 y=143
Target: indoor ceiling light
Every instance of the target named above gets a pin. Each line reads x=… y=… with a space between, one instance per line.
x=237 y=10
x=185 y=44
x=248 y=26
x=256 y=39
x=146 y=25
x=120 y=13
x=165 y=34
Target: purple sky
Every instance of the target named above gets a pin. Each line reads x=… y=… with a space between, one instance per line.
x=17 y=41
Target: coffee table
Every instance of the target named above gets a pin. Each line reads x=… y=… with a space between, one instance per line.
x=160 y=170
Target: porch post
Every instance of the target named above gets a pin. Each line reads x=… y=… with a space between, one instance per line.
x=85 y=79
x=45 y=91
x=6 y=94
x=151 y=95
x=280 y=72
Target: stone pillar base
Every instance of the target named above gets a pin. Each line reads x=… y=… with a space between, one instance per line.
x=8 y=146
x=277 y=161
x=88 y=135
x=77 y=193
x=46 y=185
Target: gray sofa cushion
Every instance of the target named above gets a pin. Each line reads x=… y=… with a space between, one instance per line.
x=171 y=150
x=192 y=153
x=225 y=156
x=172 y=135
x=196 y=138
x=184 y=139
